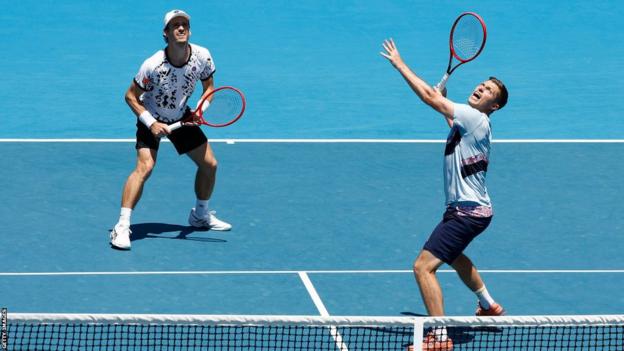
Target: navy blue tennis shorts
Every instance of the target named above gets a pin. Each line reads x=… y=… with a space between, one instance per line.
x=453 y=234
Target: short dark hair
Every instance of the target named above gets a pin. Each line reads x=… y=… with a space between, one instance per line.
x=501 y=100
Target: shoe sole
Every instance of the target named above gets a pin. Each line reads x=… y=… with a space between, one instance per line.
x=221 y=229
x=211 y=228
x=119 y=248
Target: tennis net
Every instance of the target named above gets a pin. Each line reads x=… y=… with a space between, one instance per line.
x=210 y=332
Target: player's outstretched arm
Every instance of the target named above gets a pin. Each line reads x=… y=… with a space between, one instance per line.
x=426 y=93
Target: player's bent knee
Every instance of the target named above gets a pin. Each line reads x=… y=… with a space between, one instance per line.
x=209 y=165
x=423 y=266
x=418 y=267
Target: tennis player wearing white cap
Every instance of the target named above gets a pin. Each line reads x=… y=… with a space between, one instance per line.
x=158 y=96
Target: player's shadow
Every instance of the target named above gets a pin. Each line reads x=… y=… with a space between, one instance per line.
x=142 y=231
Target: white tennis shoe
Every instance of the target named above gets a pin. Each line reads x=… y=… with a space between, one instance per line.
x=120 y=237
x=210 y=222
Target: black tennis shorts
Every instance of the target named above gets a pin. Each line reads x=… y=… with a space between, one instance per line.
x=184 y=139
x=453 y=234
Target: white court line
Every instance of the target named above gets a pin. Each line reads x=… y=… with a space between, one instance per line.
x=278 y=272
x=320 y=306
x=234 y=141
x=313 y=294
x=77 y=140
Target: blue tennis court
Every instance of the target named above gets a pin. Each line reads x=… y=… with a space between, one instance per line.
x=352 y=220
x=332 y=179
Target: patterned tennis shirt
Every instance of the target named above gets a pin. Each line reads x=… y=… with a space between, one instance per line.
x=168 y=87
x=466 y=158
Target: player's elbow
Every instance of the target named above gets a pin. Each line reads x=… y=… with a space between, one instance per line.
x=127 y=98
x=131 y=99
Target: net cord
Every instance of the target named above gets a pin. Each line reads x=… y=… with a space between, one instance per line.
x=554 y=320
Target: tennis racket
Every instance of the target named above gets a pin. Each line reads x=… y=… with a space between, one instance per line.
x=221 y=108
x=467 y=40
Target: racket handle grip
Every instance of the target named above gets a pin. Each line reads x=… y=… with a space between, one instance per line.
x=175 y=126
x=440 y=86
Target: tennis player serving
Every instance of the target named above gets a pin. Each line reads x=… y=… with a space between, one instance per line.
x=468 y=207
x=158 y=96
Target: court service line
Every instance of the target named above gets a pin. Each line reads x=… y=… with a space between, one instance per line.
x=278 y=272
x=234 y=141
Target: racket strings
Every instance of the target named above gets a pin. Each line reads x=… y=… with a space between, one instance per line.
x=468 y=38
x=225 y=106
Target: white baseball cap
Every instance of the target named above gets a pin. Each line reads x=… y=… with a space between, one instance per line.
x=175 y=13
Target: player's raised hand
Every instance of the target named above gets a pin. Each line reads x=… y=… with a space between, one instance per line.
x=391 y=53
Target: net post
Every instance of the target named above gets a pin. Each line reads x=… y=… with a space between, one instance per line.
x=419 y=327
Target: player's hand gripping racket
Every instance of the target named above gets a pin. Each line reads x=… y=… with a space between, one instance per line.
x=222 y=107
x=467 y=40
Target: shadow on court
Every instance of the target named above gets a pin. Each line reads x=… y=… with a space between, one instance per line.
x=413 y=314
x=142 y=231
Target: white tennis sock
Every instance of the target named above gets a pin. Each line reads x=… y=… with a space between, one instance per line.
x=201 y=208
x=124 y=216
x=484 y=298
